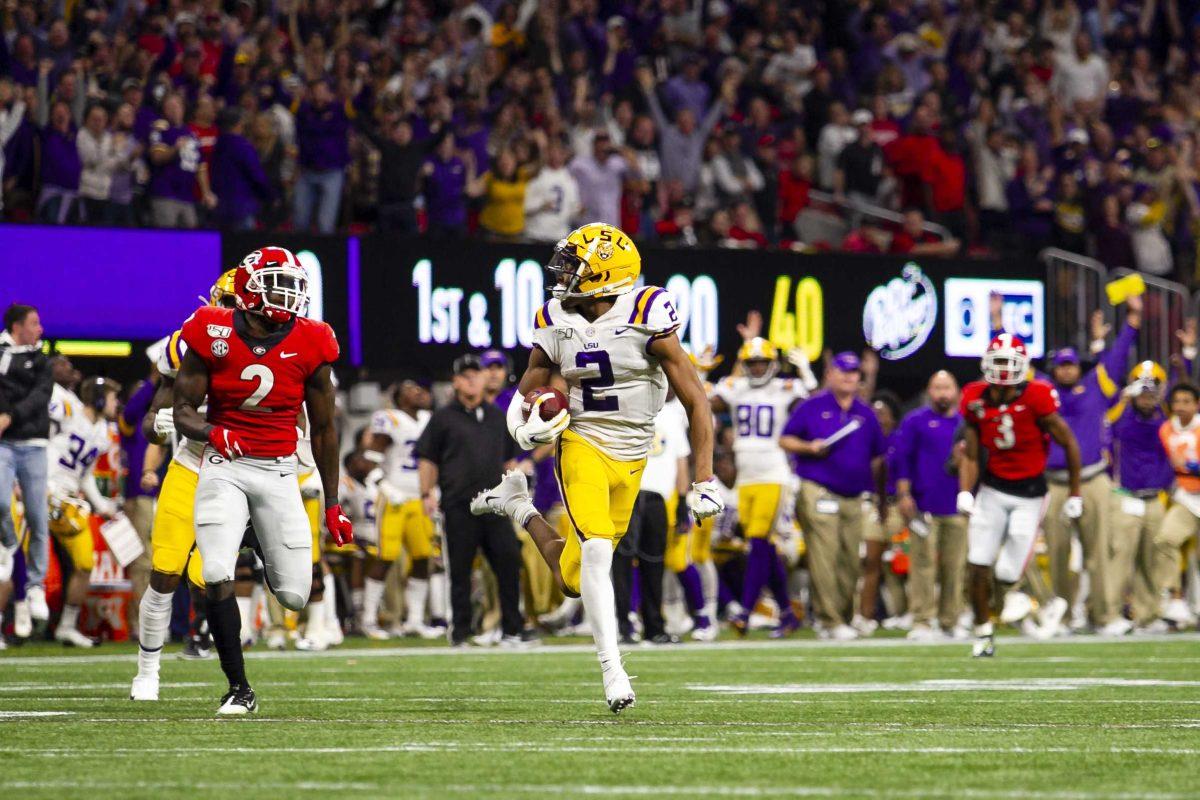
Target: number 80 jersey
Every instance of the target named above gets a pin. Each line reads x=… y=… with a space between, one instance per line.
x=616 y=387
x=1016 y=445
x=256 y=386
x=758 y=415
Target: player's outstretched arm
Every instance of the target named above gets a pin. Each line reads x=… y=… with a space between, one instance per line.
x=687 y=387
x=1056 y=426
x=319 y=401
x=191 y=386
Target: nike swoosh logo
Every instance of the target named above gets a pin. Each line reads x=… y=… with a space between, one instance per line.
x=619 y=331
x=288 y=355
x=635 y=471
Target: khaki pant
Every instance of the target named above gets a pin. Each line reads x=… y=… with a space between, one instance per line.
x=1178 y=526
x=1135 y=524
x=140 y=511
x=935 y=574
x=892 y=586
x=1094 y=535
x=832 y=528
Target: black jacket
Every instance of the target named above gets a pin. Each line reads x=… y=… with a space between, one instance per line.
x=25 y=386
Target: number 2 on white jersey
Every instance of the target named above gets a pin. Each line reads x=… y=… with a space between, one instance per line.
x=266 y=381
x=1007 y=437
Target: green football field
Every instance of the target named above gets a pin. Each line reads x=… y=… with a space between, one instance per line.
x=1074 y=720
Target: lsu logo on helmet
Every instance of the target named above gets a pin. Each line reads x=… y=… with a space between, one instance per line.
x=595 y=260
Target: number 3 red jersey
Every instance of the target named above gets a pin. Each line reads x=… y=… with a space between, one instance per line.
x=1016 y=445
x=256 y=386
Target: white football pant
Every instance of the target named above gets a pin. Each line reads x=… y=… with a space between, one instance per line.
x=1002 y=532
x=264 y=491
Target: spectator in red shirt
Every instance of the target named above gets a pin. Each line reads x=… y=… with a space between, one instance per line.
x=794 y=184
x=204 y=128
x=948 y=183
x=911 y=157
x=913 y=239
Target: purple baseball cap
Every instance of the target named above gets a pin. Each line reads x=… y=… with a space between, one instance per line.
x=1065 y=355
x=847 y=361
x=491 y=357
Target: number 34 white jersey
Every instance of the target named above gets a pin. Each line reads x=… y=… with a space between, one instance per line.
x=75 y=443
x=616 y=386
x=758 y=415
x=400 y=462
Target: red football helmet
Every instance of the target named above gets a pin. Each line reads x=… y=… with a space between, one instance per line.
x=1006 y=362
x=271 y=282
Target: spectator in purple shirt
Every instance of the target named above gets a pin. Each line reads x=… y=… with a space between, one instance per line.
x=59 y=199
x=238 y=178
x=445 y=179
x=322 y=131
x=835 y=479
x=926 y=488
x=175 y=159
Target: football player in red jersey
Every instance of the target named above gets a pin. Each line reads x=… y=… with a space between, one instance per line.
x=1012 y=418
x=257 y=365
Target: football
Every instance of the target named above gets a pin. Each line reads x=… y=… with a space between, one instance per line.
x=550 y=407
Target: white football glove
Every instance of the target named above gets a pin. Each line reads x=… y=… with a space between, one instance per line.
x=1073 y=508
x=105 y=507
x=704 y=500
x=965 y=503
x=536 y=431
x=798 y=358
x=164 y=423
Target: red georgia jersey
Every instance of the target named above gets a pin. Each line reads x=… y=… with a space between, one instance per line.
x=256 y=386
x=1016 y=444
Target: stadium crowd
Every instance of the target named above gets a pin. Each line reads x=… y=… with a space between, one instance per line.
x=847 y=553
x=1014 y=125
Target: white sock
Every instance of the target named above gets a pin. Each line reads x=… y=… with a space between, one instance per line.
x=416 y=593
x=70 y=616
x=356 y=599
x=331 y=615
x=316 y=619
x=245 y=611
x=372 y=597
x=154 y=618
x=708 y=584
x=595 y=585
x=437 y=595
x=985 y=629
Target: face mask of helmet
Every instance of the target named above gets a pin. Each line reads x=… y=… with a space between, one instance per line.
x=283 y=289
x=567 y=269
x=1005 y=367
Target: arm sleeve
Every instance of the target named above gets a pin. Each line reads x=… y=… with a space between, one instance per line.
x=544 y=335
x=1113 y=362
x=658 y=313
x=382 y=424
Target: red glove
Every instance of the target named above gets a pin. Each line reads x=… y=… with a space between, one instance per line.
x=339 y=526
x=226 y=442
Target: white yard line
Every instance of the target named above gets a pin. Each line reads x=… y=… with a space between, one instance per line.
x=12 y=656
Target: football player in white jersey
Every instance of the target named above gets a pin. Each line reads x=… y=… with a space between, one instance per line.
x=758 y=404
x=81 y=429
x=616 y=347
x=402 y=519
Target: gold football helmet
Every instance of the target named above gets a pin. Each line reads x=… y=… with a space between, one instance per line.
x=758 y=351
x=222 y=292
x=595 y=260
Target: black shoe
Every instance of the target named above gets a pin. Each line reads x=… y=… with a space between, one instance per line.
x=197 y=647
x=630 y=638
x=661 y=639
x=238 y=701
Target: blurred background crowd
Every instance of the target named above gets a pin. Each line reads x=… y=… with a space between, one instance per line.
x=923 y=126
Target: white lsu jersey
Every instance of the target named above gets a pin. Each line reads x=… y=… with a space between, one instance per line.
x=400 y=460
x=75 y=443
x=616 y=387
x=758 y=415
x=669 y=445
x=187 y=451
x=359 y=502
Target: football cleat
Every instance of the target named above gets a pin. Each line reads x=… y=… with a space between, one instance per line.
x=843 y=633
x=145 y=687
x=71 y=637
x=312 y=644
x=509 y=498
x=863 y=626
x=197 y=647
x=787 y=624
x=659 y=640
x=1118 y=627
x=375 y=633
x=277 y=641
x=237 y=702
x=707 y=633
x=524 y=640
x=984 y=647
x=618 y=691
x=1017 y=606
x=1176 y=610
x=1051 y=618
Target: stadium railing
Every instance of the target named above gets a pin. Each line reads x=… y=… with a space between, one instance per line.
x=1075 y=289
x=1166 y=305
x=843 y=214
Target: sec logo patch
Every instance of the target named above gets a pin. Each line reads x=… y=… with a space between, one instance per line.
x=220 y=348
